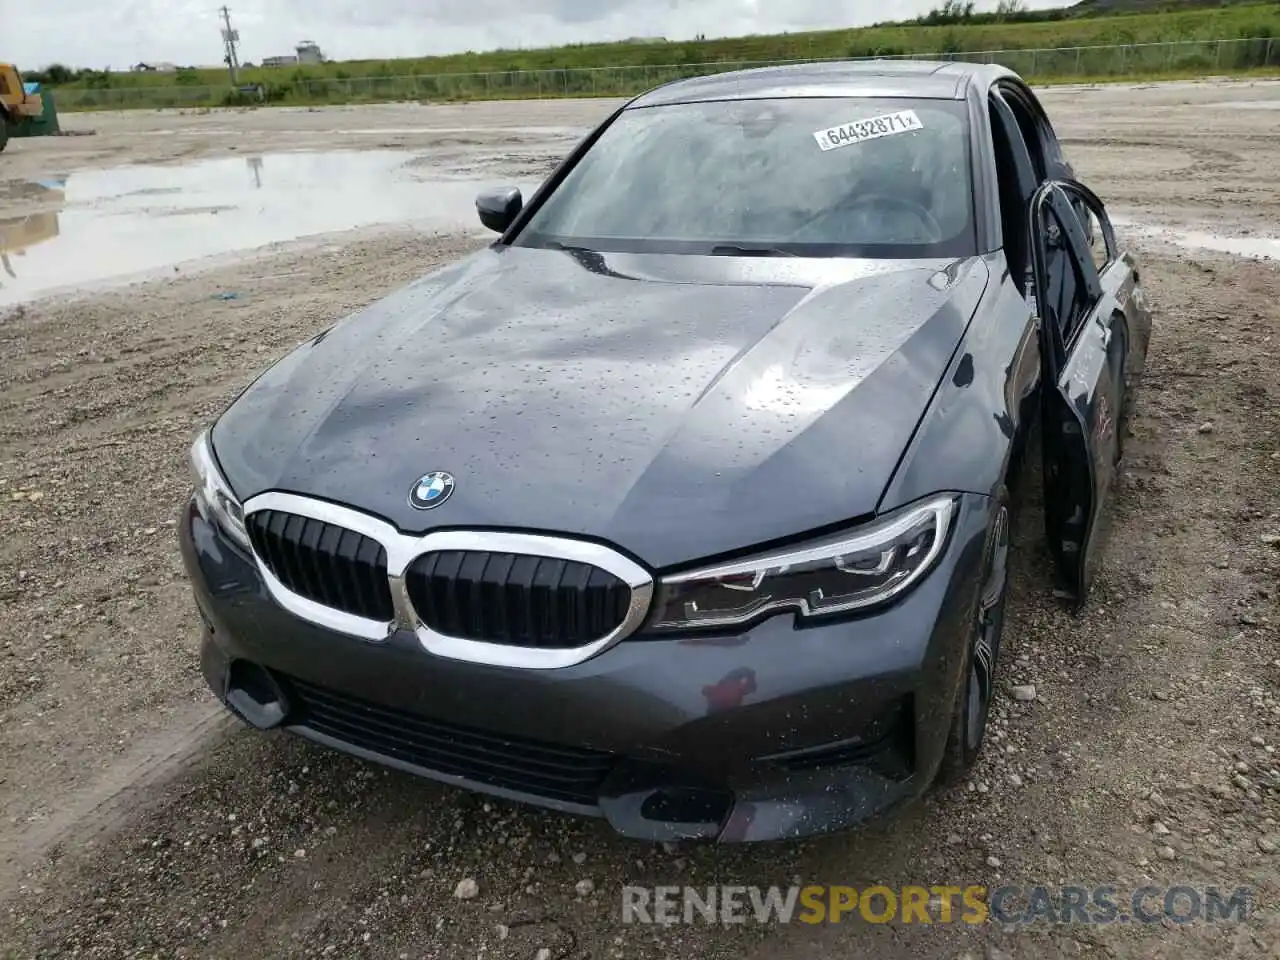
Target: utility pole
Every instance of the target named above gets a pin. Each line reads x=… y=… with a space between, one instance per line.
x=230 y=37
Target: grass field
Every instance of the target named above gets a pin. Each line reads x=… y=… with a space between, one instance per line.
x=624 y=68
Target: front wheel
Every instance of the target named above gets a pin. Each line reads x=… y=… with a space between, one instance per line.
x=969 y=721
x=4 y=131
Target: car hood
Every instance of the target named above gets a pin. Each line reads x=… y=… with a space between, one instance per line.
x=678 y=407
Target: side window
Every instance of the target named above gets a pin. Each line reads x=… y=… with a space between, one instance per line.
x=1099 y=233
x=1016 y=184
x=1051 y=147
x=1102 y=256
x=1067 y=268
x=1030 y=127
x=4 y=84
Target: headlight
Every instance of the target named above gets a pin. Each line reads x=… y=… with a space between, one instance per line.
x=214 y=499
x=832 y=576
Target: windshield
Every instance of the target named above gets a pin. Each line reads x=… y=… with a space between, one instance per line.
x=806 y=177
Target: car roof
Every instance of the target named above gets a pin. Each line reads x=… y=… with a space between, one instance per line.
x=928 y=79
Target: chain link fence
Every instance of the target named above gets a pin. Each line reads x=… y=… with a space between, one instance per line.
x=1115 y=60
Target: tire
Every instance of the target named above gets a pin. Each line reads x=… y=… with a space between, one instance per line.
x=973 y=704
x=4 y=131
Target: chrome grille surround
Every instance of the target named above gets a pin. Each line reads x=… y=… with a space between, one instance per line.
x=402 y=549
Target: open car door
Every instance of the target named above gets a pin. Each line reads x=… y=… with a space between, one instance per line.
x=1093 y=332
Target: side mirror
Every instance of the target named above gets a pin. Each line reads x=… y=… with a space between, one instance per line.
x=498 y=209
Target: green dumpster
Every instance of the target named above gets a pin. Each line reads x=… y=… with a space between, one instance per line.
x=44 y=125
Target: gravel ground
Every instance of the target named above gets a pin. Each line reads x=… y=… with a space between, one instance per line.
x=138 y=821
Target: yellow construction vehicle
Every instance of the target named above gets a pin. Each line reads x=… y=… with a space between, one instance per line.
x=24 y=110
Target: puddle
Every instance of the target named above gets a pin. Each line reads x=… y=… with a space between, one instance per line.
x=1253 y=248
x=101 y=225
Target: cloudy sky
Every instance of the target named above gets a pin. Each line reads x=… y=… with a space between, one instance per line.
x=117 y=33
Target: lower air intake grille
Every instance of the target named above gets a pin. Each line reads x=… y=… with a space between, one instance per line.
x=567 y=774
x=328 y=564
x=886 y=747
x=516 y=599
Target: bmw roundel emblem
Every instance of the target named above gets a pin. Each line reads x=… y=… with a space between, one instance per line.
x=431 y=491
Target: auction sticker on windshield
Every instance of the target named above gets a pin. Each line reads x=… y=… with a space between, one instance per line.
x=873 y=128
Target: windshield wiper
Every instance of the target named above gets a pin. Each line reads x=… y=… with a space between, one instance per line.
x=736 y=250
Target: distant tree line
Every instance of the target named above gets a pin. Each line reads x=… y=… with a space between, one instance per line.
x=1006 y=11
x=56 y=73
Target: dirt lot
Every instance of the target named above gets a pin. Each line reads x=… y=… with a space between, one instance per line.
x=138 y=821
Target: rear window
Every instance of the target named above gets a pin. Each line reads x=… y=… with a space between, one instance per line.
x=806 y=176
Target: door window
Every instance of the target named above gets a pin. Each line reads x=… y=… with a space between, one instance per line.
x=1046 y=152
x=1066 y=265
x=1070 y=274
x=1016 y=182
x=1031 y=135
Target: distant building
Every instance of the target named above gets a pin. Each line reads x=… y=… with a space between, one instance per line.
x=309 y=52
x=155 y=68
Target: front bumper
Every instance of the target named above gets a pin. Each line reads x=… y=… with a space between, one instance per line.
x=775 y=732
